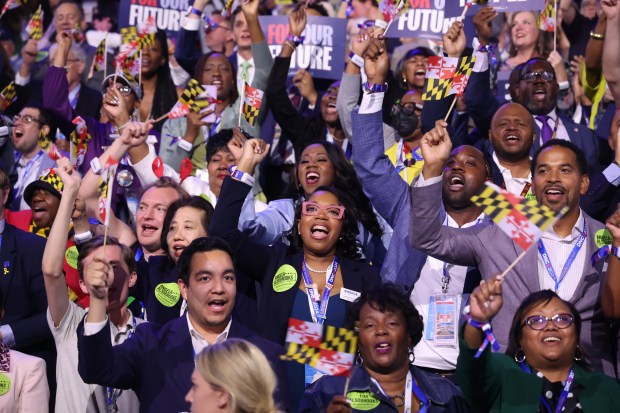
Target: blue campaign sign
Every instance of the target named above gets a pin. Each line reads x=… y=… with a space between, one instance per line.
x=169 y=14
x=323 y=49
x=455 y=7
x=426 y=21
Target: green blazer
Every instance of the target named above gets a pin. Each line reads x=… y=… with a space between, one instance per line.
x=496 y=383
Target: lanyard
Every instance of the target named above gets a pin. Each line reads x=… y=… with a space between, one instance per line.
x=319 y=311
x=27 y=170
x=114 y=394
x=445 y=279
x=138 y=254
x=410 y=386
x=565 y=391
x=573 y=254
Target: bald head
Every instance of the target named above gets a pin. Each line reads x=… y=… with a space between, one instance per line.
x=512 y=132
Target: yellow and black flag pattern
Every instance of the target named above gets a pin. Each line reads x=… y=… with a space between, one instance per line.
x=252 y=100
x=8 y=94
x=35 y=25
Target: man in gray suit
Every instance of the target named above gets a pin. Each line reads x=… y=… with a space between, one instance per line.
x=559 y=178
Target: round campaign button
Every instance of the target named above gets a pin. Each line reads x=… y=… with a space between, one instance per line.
x=168 y=294
x=71 y=255
x=5 y=384
x=124 y=178
x=602 y=237
x=362 y=400
x=285 y=278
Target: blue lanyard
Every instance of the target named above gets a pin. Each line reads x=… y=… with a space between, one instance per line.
x=417 y=154
x=410 y=386
x=27 y=170
x=573 y=254
x=138 y=254
x=319 y=310
x=563 y=396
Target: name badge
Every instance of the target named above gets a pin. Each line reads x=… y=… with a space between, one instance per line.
x=442 y=322
x=349 y=295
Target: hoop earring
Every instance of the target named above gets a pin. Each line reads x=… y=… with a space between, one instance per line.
x=580 y=356
x=518 y=355
x=359 y=361
x=411 y=355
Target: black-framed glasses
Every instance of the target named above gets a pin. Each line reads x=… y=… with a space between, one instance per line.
x=27 y=119
x=407 y=108
x=539 y=322
x=531 y=76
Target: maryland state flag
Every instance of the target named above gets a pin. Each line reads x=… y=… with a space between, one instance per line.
x=131 y=67
x=79 y=141
x=8 y=94
x=388 y=9
x=446 y=76
x=106 y=183
x=546 y=20
x=99 y=59
x=10 y=5
x=146 y=32
x=252 y=100
x=35 y=25
x=522 y=219
x=195 y=97
x=179 y=110
x=329 y=349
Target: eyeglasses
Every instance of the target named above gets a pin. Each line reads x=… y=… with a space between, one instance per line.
x=27 y=119
x=309 y=208
x=531 y=76
x=211 y=25
x=539 y=322
x=122 y=89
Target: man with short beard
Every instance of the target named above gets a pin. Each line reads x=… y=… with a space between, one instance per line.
x=538 y=92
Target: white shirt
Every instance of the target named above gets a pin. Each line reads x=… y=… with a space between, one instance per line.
x=251 y=69
x=199 y=343
x=24 y=180
x=561 y=132
x=513 y=185
x=426 y=354
x=559 y=249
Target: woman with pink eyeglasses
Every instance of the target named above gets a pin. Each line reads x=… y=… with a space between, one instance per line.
x=314 y=279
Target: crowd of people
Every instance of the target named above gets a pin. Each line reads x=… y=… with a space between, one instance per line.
x=168 y=285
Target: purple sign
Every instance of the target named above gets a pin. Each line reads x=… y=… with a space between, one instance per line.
x=454 y=8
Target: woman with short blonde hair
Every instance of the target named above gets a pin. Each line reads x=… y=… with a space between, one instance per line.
x=232 y=376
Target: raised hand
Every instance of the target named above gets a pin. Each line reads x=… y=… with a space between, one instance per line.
x=135 y=133
x=297 y=22
x=71 y=180
x=250 y=7
x=436 y=146
x=558 y=66
x=303 y=81
x=611 y=8
x=29 y=52
x=359 y=43
x=98 y=277
x=376 y=61
x=454 y=39
x=254 y=151
x=115 y=106
x=235 y=145
x=486 y=300
x=482 y=21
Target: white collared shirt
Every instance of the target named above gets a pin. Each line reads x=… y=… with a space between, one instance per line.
x=561 y=132
x=513 y=185
x=199 y=342
x=559 y=249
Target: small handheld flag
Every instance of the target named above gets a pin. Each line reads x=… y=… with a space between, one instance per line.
x=99 y=61
x=252 y=100
x=547 y=18
x=35 y=25
x=9 y=95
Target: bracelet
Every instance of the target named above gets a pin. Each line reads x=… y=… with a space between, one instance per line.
x=120 y=128
x=374 y=88
x=61 y=67
x=615 y=251
x=95 y=165
x=297 y=40
x=195 y=11
x=243 y=177
x=597 y=36
x=486 y=329
x=290 y=43
x=356 y=60
x=185 y=145
x=82 y=237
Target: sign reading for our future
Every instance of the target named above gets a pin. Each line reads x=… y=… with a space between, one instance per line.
x=425 y=19
x=322 y=52
x=168 y=14
x=455 y=7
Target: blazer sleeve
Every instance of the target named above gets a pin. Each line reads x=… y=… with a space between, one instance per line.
x=267 y=226
x=263 y=62
x=348 y=95
x=427 y=234
x=481 y=104
x=32 y=328
x=252 y=259
x=35 y=392
x=56 y=93
x=386 y=190
x=185 y=51
x=599 y=197
x=118 y=366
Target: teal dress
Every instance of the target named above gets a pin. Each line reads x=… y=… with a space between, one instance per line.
x=296 y=372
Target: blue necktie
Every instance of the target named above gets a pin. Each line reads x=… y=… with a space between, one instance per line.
x=545 y=132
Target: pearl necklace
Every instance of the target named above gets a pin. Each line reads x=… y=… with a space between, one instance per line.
x=319 y=271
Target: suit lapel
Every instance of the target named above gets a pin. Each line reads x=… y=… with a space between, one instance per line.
x=7 y=259
x=590 y=275
x=178 y=354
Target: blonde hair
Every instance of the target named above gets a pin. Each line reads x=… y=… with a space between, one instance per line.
x=241 y=369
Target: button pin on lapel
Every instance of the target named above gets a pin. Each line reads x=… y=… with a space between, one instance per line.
x=5 y=270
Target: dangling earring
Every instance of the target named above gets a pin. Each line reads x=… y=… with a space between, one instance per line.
x=578 y=354
x=520 y=356
x=359 y=361
x=411 y=355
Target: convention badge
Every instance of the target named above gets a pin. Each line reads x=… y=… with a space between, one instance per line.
x=285 y=278
x=5 y=384
x=168 y=294
x=363 y=400
x=602 y=237
x=446 y=320
x=430 y=319
x=71 y=255
x=349 y=295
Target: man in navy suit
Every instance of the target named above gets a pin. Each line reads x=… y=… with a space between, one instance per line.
x=157 y=362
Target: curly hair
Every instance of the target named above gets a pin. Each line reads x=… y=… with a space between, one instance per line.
x=389 y=297
x=347 y=244
x=196 y=202
x=200 y=68
x=345 y=180
x=531 y=301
